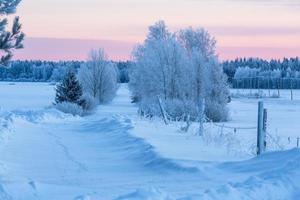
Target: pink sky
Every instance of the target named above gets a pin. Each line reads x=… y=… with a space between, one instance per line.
x=67 y=29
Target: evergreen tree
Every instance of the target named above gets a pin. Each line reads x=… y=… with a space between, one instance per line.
x=69 y=90
x=9 y=40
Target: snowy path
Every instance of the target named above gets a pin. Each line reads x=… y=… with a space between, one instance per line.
x=94 y=156
x=48 y=156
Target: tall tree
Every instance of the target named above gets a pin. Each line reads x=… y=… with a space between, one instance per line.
x=9 y=40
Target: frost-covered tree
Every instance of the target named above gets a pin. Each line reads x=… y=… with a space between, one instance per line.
x=208 y=78
x=69 y=90
x=99 y=77
x=159 y=70
x=198 y=40
x=200 y=47
x=9 y=40
x=218 y=93
x=180 y=68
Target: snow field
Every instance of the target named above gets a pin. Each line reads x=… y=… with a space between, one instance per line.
x=115 y=154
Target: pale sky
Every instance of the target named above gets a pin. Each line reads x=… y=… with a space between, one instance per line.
x=259 y=28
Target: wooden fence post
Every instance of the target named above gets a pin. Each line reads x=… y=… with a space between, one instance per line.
x=265 y=119
x=260 y=129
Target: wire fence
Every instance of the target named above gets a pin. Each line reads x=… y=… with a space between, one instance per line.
x=275 y=140
x=270 y=139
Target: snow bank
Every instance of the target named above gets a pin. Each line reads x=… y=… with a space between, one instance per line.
x=145 y=194
x=3 y=194
x=272 y=176
x=171 y=142
x=141 y=151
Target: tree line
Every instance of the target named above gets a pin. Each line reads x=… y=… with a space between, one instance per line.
x=49 y=71
x=259 y=73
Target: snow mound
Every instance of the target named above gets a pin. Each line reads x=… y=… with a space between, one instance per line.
x=82 y=197
x=39 y=116
x=141 y=151
x=273 y=177
x=117 y=130
x=3 y=194
x=145 y=194
x=5 y=124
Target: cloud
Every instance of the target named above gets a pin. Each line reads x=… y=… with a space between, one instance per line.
x=253 y=31
x=289 y=3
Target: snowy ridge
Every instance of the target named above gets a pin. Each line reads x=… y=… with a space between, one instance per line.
x=3 y=194
x=45 y=115
x=141 y=150
x=5 y=123
x=137 y=148
x=279 y=182
x=139 y=194
x=274 y=177
x=5 y=128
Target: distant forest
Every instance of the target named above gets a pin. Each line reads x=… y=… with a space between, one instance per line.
x=49 y=71
x=241 y=73
x=259 y=73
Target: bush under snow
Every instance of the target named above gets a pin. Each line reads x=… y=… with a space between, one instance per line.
x=89 y=102
x=70 y=108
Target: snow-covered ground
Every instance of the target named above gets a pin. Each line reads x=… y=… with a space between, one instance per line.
x=115 y=154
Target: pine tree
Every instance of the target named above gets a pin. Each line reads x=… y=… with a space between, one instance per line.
x=9 y=40
x=69 y=90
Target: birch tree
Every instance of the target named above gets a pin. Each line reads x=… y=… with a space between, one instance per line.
x=182 y=69
x=98 y=77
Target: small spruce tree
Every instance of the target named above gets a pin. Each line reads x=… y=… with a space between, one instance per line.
x=69 y=90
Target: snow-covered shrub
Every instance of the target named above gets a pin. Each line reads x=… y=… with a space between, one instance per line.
x=149 y=107
x=98 y=77
x=182 y=69
x=175 y=109
x=70 y=108
x=89 y=103
x=217 y=94
x=178 y=109
x=216 y=111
